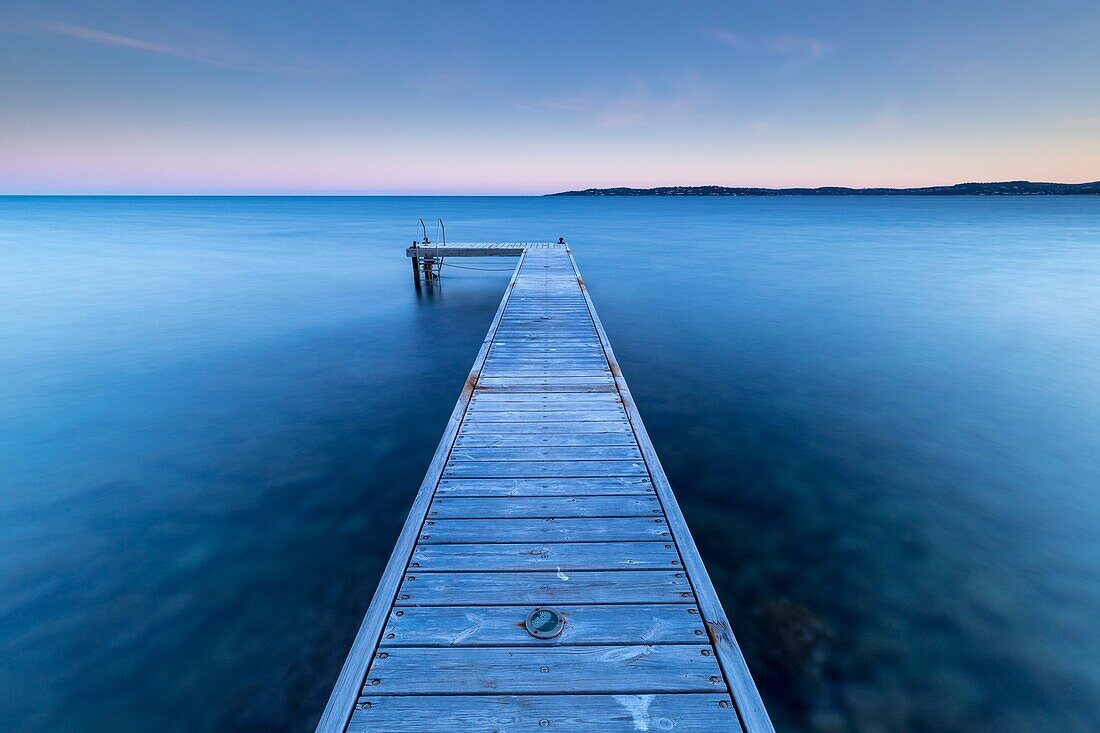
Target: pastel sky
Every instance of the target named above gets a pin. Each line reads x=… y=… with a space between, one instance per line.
x=525 y=97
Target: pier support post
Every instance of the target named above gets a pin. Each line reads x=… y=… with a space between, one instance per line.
x=416 y=270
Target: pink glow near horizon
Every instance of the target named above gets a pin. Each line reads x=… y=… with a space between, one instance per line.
x=169 y=103
x=231 y=171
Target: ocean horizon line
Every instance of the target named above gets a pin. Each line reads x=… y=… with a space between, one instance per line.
x=969 y=188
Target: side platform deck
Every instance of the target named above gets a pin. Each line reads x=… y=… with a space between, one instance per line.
x=545 y=491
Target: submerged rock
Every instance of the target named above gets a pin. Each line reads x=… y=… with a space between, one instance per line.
x=793 y=642
x=793 y=639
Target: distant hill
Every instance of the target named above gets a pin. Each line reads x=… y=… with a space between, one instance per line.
x=1004 y=188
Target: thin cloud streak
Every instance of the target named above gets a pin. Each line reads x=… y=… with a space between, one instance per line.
x=116 y=40
x=637 y=106
x=93 y=35
x=810 y=48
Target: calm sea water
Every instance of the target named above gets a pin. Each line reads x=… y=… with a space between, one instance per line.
x=881 y=417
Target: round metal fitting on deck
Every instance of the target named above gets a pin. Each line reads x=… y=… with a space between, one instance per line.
x=544 y=623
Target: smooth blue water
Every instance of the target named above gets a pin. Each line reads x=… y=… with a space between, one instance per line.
x=881 y=416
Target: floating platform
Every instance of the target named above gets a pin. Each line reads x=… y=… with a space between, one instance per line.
x=545 y=579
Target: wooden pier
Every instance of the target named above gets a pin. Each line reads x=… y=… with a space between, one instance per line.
x=545 y=579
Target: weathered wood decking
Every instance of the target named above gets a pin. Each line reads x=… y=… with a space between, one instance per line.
x=545 y=491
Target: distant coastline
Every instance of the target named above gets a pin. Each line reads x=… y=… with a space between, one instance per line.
x=1003 y=188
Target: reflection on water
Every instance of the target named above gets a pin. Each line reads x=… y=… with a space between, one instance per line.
x=881 y=416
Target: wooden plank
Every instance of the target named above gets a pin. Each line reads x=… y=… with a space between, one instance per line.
x=490 y=469
x=522 y=331
x=567 y=556
x=545 y=368
x=519 y=358
x=563 y=386
x=451 y=251
x=570 y=361
x=620 y=625
x=520 y=364
x=586 y=367
x=544 y=530
x=560 y=353
x=545 y=346
x=549 y=372
x=558 y=325
x=683 y=713
x=595 y=486
x=490 y=401
x=564 y=324
x=548 y=428
x=549 y=340
x=549 y=453
x=501 y=507
x=528 y=439
x=544 y=587
x=520 y=335
x=564 y=319
x=558 y=341
x=600 y=415
x=537 y=350
x=552 y=670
